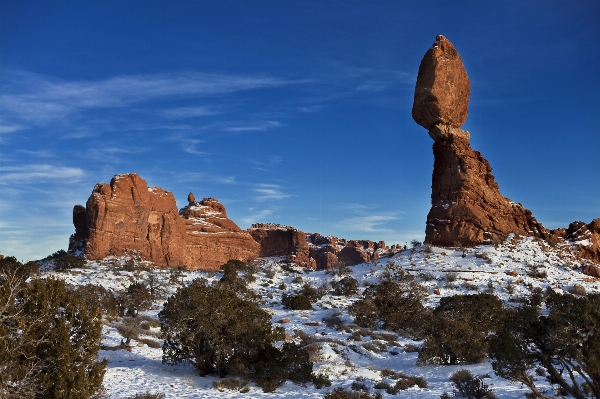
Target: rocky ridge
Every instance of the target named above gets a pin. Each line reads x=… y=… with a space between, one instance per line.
x=128 y=217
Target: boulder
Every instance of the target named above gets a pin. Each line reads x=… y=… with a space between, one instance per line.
x=591 y=270
x=442 y=90
x=279 y=240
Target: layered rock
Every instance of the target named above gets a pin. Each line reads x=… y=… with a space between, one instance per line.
x=279 y=240
x=467 y=207
x=586 y=238
x=212 y=238
x=128 y=216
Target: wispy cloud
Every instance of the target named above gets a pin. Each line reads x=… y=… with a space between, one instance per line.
x=188 y=112
x=203 y=176
x=253 y=126
x=367 y=223
x=269 y=192
x=38 y=172
x=40 y=99
x=257 y=216
x=189 y=146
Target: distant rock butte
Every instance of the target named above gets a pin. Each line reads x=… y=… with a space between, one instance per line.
x=128 y=217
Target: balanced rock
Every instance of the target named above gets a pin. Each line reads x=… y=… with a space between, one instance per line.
x=466 y=205
x=442 y=91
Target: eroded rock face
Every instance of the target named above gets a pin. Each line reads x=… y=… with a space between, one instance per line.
x=127 y=215
x=466 y=205
x=279 y=240
x=78 y=240
x=442 y=91
x=586 y=237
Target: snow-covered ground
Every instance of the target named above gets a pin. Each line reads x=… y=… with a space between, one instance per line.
x=509 y=270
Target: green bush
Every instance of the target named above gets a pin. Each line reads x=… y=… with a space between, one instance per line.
x=10 y=265
x=471 y=386
x=394 y=304
x=565 y=342
x=218 y=331
x=346 y=286
x=457 y=329
x=302 y=300
x=49 y=341
x=63 y=261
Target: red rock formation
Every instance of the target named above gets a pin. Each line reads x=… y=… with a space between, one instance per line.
x=212 y=238
x=586 y=238
x=278 y=240
x=442 y=90
x=82 y=232
x=467 y=207
x=127 y=215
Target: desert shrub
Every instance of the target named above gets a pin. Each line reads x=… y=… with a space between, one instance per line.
x=302 y=300
x=471 y=386
x=138 y=299
x=346 y=286
x=415 y=243
x=11 y=265
x=49 y=341
x=359 y=386
x=218 y=331
x=232 y=384
x=64 y=261
x=565 y=342
x=341 y=393
x=321 y=380
x=147 y=395
x=457 y=329
x=407 y=381
x=339 y=268
x=130 y=328
x=152 y=343
x=94 y=295
x=393 y=304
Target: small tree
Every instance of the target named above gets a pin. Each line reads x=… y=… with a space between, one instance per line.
x=457 y=330
x=393 y=304
x=49 y=341
x=565 y=342
x=346 y=286
x=216 y=330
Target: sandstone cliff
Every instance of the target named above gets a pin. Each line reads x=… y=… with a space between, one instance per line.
x=127 y=215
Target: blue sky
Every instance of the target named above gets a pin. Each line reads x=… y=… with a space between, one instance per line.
x=291 y=112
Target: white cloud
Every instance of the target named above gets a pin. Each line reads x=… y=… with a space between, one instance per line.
x=39 y=172
x=188 y=112
x=189 y=146
x=367 y=223
x=39 y=99
x=269 y=192
x=257 y=217
x=254 y=126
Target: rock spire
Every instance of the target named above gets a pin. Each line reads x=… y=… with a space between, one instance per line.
x=466 y=205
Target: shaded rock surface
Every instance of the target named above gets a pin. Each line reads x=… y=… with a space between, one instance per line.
x=466 y=205
x=279 y=240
